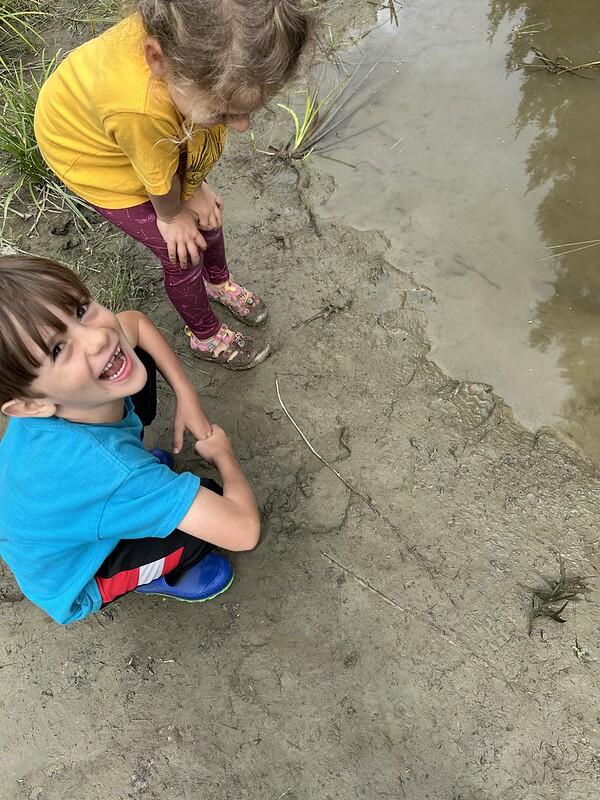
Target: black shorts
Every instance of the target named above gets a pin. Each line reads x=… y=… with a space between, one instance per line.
x=134 y=562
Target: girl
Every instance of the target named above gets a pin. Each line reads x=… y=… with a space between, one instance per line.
x=134 y=120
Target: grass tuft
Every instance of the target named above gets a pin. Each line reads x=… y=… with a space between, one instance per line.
x=17 y=24
x=115 y=279
x=20 y=160
x=551 y=599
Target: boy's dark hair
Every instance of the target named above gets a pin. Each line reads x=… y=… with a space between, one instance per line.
x=29 y=288
x=237 y=50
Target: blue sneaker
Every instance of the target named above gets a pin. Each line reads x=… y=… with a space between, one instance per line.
x=206 y=579
x=163 y=456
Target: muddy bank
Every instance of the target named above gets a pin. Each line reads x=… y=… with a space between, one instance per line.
x=376 y=643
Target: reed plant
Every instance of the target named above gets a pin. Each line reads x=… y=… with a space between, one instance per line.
x=321 y=115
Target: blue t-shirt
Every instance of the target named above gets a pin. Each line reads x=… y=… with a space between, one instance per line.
x=69 y=492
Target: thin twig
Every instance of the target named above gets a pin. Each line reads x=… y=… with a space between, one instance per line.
x=441 y=630
x=411 y=548
x=568 y=252
x=363 y=582
x=318 y=455
x=572 y=244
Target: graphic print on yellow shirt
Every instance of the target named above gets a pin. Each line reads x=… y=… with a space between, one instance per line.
x=109 y=129
x=203 y=151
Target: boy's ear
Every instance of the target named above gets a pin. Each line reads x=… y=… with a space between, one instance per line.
x=155 y=58
x=29 y=407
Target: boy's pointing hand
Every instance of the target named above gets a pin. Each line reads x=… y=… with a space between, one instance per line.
x=189 y=416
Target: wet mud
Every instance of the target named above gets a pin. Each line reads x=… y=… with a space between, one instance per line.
x=378 y=643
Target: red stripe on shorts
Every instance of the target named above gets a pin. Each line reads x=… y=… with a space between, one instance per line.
x=128 y=579
x=172 y=560
x=118 y=584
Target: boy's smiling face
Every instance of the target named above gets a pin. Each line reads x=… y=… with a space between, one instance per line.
x=90 y=370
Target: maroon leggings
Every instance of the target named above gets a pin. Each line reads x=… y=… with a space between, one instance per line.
x=185 y=286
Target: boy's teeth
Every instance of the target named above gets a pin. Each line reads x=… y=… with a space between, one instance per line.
x=110 y=371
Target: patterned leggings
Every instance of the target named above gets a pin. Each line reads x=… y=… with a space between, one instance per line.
x=185 y=286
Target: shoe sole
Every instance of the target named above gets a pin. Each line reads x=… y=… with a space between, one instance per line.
x=264 y=354
x=183 y=599
x=252 y=323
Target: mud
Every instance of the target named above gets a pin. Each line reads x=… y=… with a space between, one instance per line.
x=376 y=644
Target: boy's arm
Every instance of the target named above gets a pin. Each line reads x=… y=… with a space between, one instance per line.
x=230 y=521
x=141 y=332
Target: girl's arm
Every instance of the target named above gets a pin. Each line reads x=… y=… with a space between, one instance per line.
x=230 y=521
x=178 y=225
x=141 y=332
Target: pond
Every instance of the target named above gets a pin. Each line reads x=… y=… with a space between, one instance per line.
x=477 y=169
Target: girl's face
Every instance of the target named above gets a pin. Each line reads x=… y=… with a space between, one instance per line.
x=198 y=107
x=194 y=104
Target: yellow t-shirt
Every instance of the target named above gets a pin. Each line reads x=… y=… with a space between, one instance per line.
x=109 y=130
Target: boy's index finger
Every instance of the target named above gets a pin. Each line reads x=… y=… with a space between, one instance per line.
x=178 y=433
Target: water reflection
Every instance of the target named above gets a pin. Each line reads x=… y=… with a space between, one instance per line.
x=563 y=160
x=495 y=165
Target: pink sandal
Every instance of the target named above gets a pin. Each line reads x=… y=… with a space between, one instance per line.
x=239 y=301
x=228 y=348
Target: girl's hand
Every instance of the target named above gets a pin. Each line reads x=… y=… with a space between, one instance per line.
x=182 y=237
x=189 y=416
x=216 y=446
x=208 y=207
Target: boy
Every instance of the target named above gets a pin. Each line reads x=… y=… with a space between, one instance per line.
x=86 y=513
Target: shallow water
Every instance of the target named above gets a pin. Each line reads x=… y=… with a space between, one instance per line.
x=477 y=167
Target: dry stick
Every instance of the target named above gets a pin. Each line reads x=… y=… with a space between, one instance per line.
x=411 y=548
x=575 y=67
x=439 y=629
x=363 y=582
x=568 y=252
x=572 y=244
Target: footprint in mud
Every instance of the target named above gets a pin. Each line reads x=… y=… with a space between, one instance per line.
x=475 y=402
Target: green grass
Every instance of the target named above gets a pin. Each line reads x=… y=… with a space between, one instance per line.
x=30 y=181
x=18 y=24
x=115 y=277
x=88 y=17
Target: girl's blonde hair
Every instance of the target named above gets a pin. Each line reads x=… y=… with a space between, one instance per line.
x=239 y=51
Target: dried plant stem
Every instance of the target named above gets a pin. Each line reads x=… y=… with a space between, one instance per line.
x=572 y=244
x=568 y=252
x=363 y=582
x=411 y=548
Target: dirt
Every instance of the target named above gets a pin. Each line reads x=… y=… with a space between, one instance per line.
x=376 y=644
